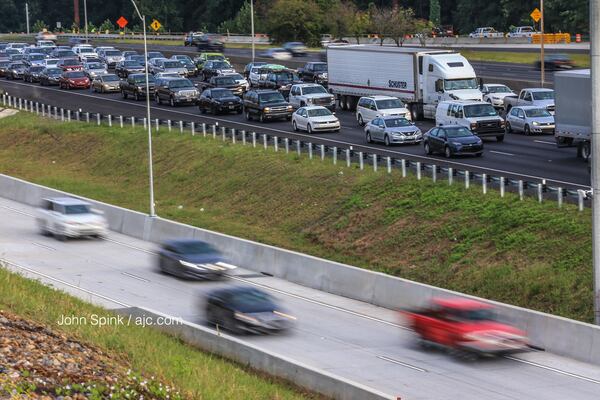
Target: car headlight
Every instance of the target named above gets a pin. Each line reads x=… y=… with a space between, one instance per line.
x=266 y=109
x=190 y=265
x=458 y=144
x=535 y=123
x=246 y=318
x=290 y=108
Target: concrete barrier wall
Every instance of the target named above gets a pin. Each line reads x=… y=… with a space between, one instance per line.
x=558 y=335
x=314 y=379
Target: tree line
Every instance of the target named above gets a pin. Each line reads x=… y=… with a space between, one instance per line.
x=303 y=20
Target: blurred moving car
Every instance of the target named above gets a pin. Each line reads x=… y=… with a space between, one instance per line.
x=554 y=62
x=467 y=327
x=392 y=130
x=67 y=217
x=277 y=53
x=189 y=258
x=219 y=100
x=451 y=141
x=74 y=80
x=529 y=120
x=192 y=38
x=296 y=49
x=106 y=83
x=210 y=42
x=242 y=309
x=315 y=119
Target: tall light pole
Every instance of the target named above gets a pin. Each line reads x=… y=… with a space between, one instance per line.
x=542 y=63
x=27 y=16
x=252 y=26
x=85 y=20
x=595 y=138
x=148 y=121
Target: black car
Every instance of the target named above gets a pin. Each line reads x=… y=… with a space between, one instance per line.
x=265 y=105
x=555 y=61
x=4 y=67
x=124 y=68
x=219 y=100
x=135 y=86
x=176 y=91
x=214 y=68
x=210 y=42
x=249 y=66
x=192 y=39
x=137 y=58
x=15 y=70
x=128 y=53
x=189 y=258
x=242 y=309
x=32 y=74
x=281 y=80
x=155 y=54
x=224 y=82
x=314 y=72
x=50 y=76
x=452 y=140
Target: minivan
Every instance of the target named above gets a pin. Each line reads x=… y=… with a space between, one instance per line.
x=371 y=107
x=478 y=116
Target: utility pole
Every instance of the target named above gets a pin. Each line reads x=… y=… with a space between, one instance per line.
x=27 y=16
x=595 y=78
x=76 y=12
x=85 y=20
x=252 y=26
x=542 y=63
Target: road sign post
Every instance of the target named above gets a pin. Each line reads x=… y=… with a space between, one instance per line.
x=538 y=16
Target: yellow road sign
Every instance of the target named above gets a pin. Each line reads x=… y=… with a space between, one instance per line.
x=156 y=25
x=536 y=15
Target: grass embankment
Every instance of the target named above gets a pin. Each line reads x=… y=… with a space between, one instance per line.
x=521 y=253
x=196 y=375
x=580 y=60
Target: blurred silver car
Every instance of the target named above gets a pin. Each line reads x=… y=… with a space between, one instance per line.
x=106 y=83
x=392 y=130
x=529 y=120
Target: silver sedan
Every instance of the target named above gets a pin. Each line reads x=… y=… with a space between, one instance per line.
x=392 y=130
x=529 y=120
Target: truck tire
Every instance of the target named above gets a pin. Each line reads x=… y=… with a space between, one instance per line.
x=352 y=101
x=586 y=150
x=123 y=94
x=342 y=101
x=500 y=138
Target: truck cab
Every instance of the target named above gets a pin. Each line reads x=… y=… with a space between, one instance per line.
x=478 y=116
x=540 y=97
x=312 y=94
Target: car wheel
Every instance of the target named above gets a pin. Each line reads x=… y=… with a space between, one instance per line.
x=447 y=152
x=427 y=149
x=172 y=101
x=294 y=126
x=157 y=99
x=232 y=326
x=369 y=139
x=101 y=89
x=361 y=122
x=508 y=127
x=261 y=117
x=137 y=96
x=213 y=110
x=386 y=140
x=478 y=154
x=500 y=138
x=309 y=129
x=527 y=130
x=248 y=116
x=123 y=94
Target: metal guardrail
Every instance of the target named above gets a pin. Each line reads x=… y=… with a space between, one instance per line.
x=338 y=155
x=259 y=39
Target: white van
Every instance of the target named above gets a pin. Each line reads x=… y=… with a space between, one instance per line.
x=480 y=117
x=371 y=107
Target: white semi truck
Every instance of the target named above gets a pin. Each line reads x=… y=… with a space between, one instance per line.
x=421 y=78
x=573 y=117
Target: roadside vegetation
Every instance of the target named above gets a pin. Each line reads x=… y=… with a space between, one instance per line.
x=518 y=57
x=522 y=253
x=113 y=361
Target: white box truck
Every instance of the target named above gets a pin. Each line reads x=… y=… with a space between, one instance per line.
x=573 y=110
x=420 y=77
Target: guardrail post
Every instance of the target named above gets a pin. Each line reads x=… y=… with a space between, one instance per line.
x=69 y=115
x=403 y=166
x=233 y=138
x=87 y=117
x=361 y=160
x=467 y=179
x=169 y=125
x=224 y=133
x=56 y=113
x=276 y=143
x=9 y=101
x=450 y=175
x=37 y=108
x=62 y=114
x=310 y=150
x=580 y=198
x=265 y=140
x=77 y=116
x=204 y=129
x=43 y=110
x=98 y=118
x=121 y=121
x=133 y=122
x=4 y=99
x=20 y=104
x=253 y=139
x=375 y=162
x=110 y=120
x=334 y=155
x=434 y=173
x=214 y=131
x=180 y=126
x=418 y=170
x=322 y=152
x=287 y=145
x=299 y=147
x=193 y=128
x=521 y=190
x=348 y=161
x=559 y=193
x=389 y=164
x=157 y=124
x=501 y=186
x=484 y=183
x=540 y=191
x=146 y=123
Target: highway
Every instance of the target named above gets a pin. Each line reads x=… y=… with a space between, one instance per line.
x=532 y=158
x=348 y=338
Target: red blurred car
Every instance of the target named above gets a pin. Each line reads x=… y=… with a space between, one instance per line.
x=70 y=64
x=74 y=80
x=468 y=327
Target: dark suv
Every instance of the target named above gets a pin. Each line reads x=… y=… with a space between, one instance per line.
x=135 y=85
x=265 y=105
x=279 y=80
x=176 y=91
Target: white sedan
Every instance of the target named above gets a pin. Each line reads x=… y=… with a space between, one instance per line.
x=314 y=119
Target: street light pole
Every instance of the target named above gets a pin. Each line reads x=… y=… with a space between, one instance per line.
x=252 y=26
x=85 y=20
x=595 y=79
x=542 y=63
x=27 y=16
x=148 y=121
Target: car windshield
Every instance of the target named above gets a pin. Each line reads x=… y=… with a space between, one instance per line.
x=196 y=247
x=215 y=57
x=86 y=50
x=110 y=78
x=36 y=56
x=274 y=97
x=180 y=83
x=319 y=112
x=314 y=89
x=458 y=84
x=220 y=94
x=65 y=53
x=236 y=76
x=17 y=65
x=475 y=314
x=137 y=58
x=388 y=104
x=287 y=77
x=549 y=95
x=95 y=66
x=71 y=62
x=252 y=301
x=112 y=53
x=537 y=112
x=320 y=67
x=172 y=64
x=155 y=54
x=458 y=132
x=54 y=71
x=221 y=65
x=131 y=64
x=480 y=110
x=397 y=122
x=499 y=89
x=225 y=81
x=142 y=79
x=36 y=69
x=4 y=64
x=75 y=74
x=77 y=209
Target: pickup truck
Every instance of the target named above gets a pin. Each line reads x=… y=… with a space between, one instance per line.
x=311 y=94
x=224 y=82
x=466 y=327
x=523 y=31
x=314 y=72
x=539 y=97
x=486 y=32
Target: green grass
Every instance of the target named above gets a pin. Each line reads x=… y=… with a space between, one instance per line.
x=521 y=253
x=581 y=60
x=196 y=374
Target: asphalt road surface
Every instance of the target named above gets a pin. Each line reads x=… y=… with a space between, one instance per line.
x=348 y=338
x=531 y=158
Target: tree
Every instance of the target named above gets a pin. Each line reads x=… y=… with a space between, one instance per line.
x=241 y=22
x=106 y=27
x=39 y=26
x=295 y=20
x=395 y=23
x=434 y=12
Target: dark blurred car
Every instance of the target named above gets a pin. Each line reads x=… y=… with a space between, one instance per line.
x=135 y=85
x=15 y=70
x=32 y=74
x=450 y=141
x=443 y=31
x=555 y=61
x=128 y=53
x=74 y=41
x=61 y=53
x=215 y=68
x=192 y=39
x=70 y=64
x=50 y=76
x=124 y=68
x=155 y=54
x=210 y=42
x=219 y=100
x=4 y=67
x=296 y=49
x=138 y=58
x=74 y=80
x=242 y=309
x=188 y=258
x=249 y=66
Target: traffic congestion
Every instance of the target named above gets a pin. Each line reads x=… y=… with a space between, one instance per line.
x=390 y=106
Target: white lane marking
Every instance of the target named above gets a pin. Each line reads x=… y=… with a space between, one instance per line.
x=501 y=152
x=139 y=278
x=43 y=246
x=2 y=260
x=384 y=358
x=558 y=371
x=545 y=142
x=261 y=127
